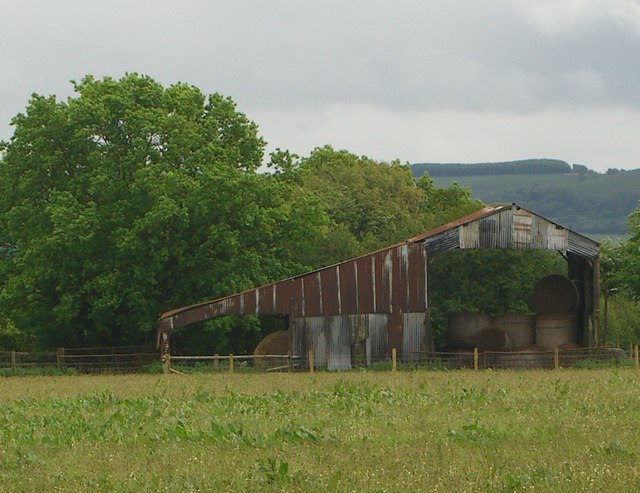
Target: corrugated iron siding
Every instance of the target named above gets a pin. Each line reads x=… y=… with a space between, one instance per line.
x=371 y=284
x=413 y=337
x=516 y=229
x=443 y=242
x=582 y=246
x=377 y=344
x=334 y=338
x=392 y=281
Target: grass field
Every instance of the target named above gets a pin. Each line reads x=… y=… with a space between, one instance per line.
x=563 y=430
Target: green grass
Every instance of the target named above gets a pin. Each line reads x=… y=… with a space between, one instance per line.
x=564 y=430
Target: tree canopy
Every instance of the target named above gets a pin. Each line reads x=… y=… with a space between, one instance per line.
x=131 y=198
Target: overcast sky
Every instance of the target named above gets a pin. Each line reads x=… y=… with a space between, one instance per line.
x=425 y=80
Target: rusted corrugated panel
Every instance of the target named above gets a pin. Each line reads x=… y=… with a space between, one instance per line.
x=382 y=293
x=338 y=337
x=330 y=292
x=413 y=336
x=364 y=278
x=283 y=296
x=313 y=295
x=397 y=276
x=265 y=300
x=231 y=305
x=248 y=302
x=348 y=287
x=297 y=298
x=417 y=279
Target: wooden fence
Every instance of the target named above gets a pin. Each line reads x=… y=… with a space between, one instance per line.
x=134 y=359
x=125 y=359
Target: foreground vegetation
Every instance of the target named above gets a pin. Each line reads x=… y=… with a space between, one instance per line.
x=568 y=430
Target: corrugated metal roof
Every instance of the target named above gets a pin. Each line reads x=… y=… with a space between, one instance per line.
x=392 y=276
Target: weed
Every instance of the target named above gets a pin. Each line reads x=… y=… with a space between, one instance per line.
x=273 y=470
x=473 y=434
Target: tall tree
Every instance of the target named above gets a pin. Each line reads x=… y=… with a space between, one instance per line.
x=369 y=204
x=130 y=198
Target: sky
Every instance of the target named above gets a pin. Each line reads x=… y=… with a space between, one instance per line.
x=418 y=81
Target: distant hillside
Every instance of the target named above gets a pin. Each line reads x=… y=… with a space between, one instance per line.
x=574 y=196
x=524 y=166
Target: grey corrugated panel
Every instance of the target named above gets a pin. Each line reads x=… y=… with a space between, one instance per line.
x=310 y=333
x=316 y=326
x=299 y=337
x=413 y=335
x=583 y=246
x=377 y=343
x=447 y=240
x=338 y=337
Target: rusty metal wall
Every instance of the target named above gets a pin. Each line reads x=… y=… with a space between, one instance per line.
x=374 y=283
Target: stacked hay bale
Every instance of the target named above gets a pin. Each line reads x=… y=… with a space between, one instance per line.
x=555 y=300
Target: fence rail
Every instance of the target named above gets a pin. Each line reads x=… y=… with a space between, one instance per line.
x=132 y=359
x=126 y=359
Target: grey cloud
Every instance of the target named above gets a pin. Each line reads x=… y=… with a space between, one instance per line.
x=463 y=56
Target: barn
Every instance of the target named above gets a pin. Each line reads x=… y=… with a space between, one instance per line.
x=359 y=309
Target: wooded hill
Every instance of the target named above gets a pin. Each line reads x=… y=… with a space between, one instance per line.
x=573 y=195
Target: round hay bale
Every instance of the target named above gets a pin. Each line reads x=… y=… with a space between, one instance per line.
x=555 y=294
x=556 y=330
x=520 y=329
x=462 y=328
x=275 y=343
x=491 y=339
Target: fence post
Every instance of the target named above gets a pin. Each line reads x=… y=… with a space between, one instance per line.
x=230 y=362
x=289 y=362
x=394 y=359
x=556 y=358
x=637 y=358
x=216 y=362
x=13 y=361
x=475 y=359
x=59 y=357
x=312 y=363
x=165 y=356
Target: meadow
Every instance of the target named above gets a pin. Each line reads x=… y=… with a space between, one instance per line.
x=562 y=430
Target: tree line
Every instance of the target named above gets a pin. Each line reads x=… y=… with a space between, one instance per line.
x=131 y=198
x=520 y=167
